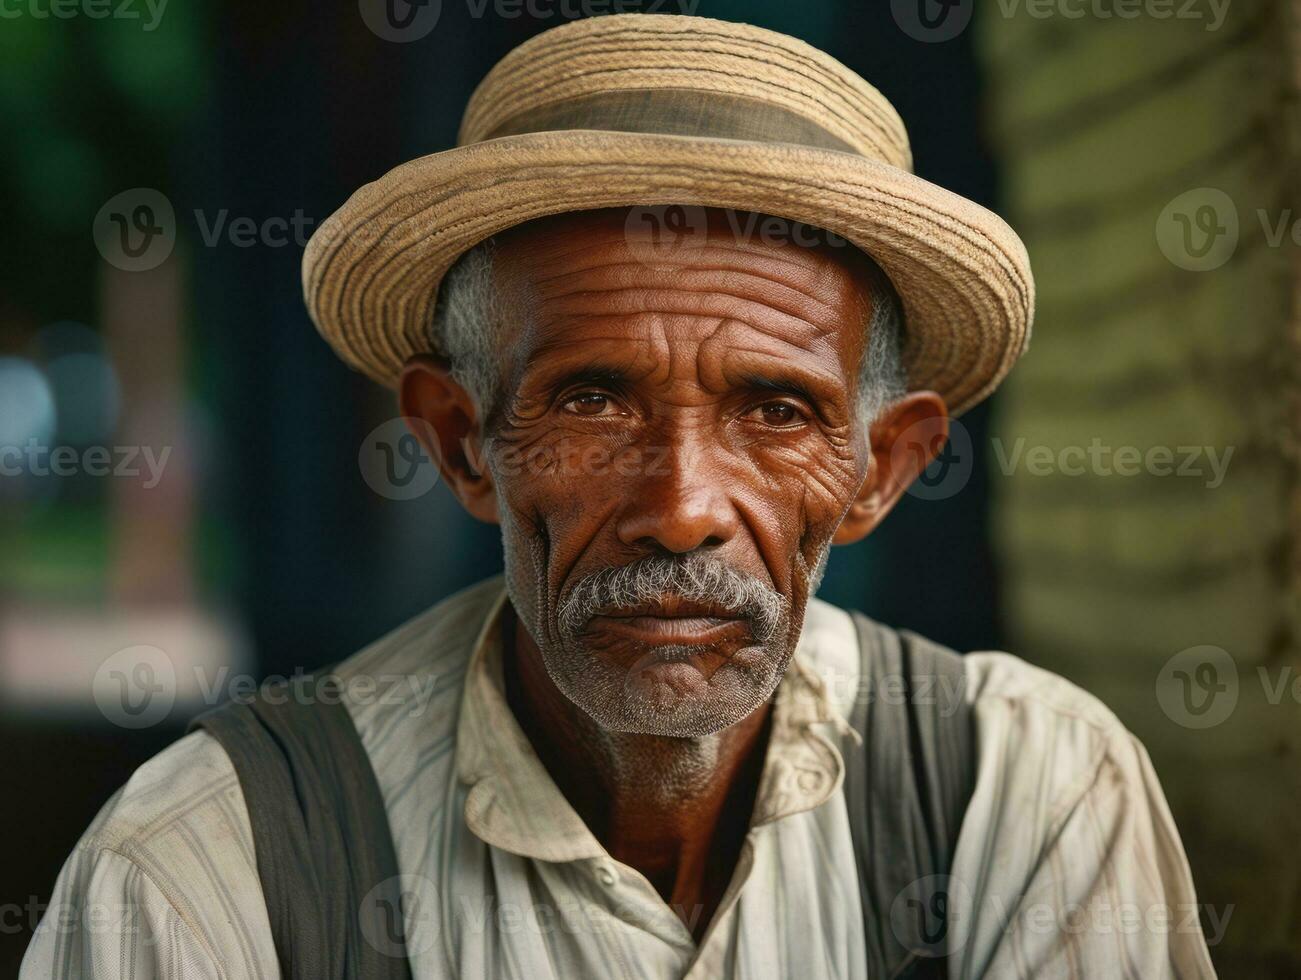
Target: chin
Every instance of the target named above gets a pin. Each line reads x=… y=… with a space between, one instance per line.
x=676 y=692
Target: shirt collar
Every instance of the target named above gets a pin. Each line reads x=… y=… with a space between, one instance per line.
x=513 y=803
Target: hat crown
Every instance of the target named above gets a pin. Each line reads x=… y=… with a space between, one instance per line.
x=599 y=114
x=685 y=76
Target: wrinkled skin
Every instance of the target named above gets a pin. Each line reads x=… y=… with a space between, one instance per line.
x=658 y=403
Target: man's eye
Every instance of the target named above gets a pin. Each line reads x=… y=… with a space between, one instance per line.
x=590 y=403
x=778 y=414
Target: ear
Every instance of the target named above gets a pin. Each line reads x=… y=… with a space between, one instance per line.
x=903 y=440
x=443 y=416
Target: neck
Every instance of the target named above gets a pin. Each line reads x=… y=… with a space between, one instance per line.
x=675 y=809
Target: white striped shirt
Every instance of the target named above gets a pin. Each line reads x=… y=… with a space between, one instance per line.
x=1068 y=863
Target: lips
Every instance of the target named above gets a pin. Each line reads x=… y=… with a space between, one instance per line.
x=671 y=620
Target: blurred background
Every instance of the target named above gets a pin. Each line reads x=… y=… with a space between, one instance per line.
x=192 y=488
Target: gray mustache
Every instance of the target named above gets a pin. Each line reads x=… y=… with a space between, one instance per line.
x=695 y=577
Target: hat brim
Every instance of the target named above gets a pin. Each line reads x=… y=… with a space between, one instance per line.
x=371 y=271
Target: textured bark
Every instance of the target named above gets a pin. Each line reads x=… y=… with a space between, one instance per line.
x=1100 y=122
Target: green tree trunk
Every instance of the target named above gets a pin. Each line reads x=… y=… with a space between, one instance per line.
x=1132 y=148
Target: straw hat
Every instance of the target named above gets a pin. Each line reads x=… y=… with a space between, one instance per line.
x=640 y=109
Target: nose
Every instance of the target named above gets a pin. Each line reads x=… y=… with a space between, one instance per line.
x=678 y=505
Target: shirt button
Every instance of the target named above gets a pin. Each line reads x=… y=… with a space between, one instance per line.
x=810 y=782
x=606 y=874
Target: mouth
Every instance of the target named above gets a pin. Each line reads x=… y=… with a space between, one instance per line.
x=671 y=620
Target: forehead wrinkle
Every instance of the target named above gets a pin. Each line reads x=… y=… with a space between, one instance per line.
x=730 y=334
x=734 y=362
x=723 y=356
x=649 y=336
x=743 y=285
x=637 y=351
x=823 y=282
x=630 y=303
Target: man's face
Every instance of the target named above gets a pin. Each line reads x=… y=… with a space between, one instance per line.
x=674 y=450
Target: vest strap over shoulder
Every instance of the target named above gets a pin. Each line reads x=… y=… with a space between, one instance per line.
x=907 y=788
x=321 y=837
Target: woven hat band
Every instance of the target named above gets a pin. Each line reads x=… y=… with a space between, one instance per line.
x=675 y=112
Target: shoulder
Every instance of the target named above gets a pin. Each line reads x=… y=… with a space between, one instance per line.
x=190 y=790
x=173 y=852
x=188 y=787
x=1002 y=681
x=1033 y=726
x=1055 y=767
x=1067 y=814
x=191 y=786
x=1008 y=695
x=1029 y=724
x=170 y=854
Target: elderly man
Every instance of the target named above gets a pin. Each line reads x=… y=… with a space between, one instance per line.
x=648 y=751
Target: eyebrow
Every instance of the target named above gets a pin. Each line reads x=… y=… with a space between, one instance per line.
x=782 y=385
x=588 y=374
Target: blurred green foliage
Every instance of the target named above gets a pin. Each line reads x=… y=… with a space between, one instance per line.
x=88 y=107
